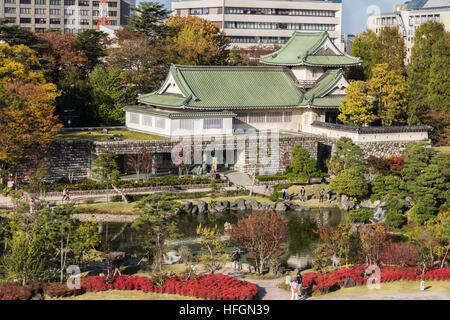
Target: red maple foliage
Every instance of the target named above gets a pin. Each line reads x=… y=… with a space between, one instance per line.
x=262 y=234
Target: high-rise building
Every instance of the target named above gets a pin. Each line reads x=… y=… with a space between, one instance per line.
x=69 y=16
x=252 y=22
x=409 y=16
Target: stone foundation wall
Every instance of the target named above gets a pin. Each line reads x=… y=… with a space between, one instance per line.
x=75 y=157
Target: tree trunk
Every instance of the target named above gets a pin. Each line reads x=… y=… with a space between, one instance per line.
x=124 y=198
x=445 y=256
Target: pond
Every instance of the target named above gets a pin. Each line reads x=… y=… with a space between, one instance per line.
x=301 y=226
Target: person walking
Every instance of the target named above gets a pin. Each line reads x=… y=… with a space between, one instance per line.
x=328 y=197
x=287 y=195
x=64 y=192
x=302 y=194
x=322 y=194
x=300 y=283
x=294 y=289
x=67 y=194
x=237 y=260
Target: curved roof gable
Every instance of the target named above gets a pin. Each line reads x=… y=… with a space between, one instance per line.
x=303 y=48
x=211 y=87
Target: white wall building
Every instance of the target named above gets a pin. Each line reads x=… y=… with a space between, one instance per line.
x=252 y=22
x=408 y=17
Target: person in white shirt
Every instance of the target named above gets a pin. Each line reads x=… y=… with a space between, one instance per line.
x=294 y=289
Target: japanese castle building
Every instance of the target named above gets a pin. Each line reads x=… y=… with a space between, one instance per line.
x=302 y=82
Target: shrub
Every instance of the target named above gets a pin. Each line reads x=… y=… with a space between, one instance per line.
x=359 y=215
x=14 y=291
x=395 y=216
x=402 y=253
x=271 y=178
x=349 y=182
x=60 y=290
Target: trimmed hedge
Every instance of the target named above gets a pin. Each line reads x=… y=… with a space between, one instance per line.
x=271 y=178
x=184 y=195
x=89 y=184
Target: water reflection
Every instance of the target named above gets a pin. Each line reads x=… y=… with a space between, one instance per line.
x=119 y=236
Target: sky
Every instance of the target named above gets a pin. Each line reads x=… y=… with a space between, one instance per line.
x=354 y=19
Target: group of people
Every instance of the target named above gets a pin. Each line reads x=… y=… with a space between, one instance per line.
x=303 y=195
x=66 y=194
x=296 y=286
x=285 y=194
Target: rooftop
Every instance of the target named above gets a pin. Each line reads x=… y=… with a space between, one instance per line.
x=211 y=87
x=309 y=48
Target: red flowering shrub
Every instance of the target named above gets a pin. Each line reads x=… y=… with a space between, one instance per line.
x=59 y=290
x=327 y=281
x=216 y=287
x=437 y=274
x=14 y=291
x=95 y=283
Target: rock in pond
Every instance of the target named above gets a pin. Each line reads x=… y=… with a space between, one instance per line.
x=202 y=206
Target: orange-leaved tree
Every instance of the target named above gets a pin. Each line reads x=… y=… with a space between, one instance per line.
x=262 y=233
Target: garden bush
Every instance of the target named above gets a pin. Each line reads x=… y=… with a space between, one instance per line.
x=359 y=215
x=271 y=178
x=57 y=289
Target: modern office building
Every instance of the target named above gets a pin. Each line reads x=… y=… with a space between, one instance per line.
x=69 y=16
x=409 y=16
x=252 y=22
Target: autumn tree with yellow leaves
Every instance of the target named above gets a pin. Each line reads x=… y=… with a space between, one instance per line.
x=27 y=106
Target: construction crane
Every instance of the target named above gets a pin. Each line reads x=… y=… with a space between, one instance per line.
x=103 y=17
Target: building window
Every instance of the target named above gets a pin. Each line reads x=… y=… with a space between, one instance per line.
x=212 y=123
x=84 y=22
x=10 y=1
x=69 y=12
x=11 y=10
x=39 y=1
x=160 y=123
x=40 y=21
x=55 y=21
x=112 y=13
x=83 y=3
x=199 y=11
x=41 y=11
x=257 y=117
x=55 y=2
x=69 y=21
x=25 y=10
x=134 y=118
x=112 y=4
x=25 y=1
x=187 y=124
x=84 y=12
x=25 y=20
x=55 y=11
x=69 y=2
x=113 y=22
x=11 y=20
x=147 y=120
x=275 y=117
x=288 y=116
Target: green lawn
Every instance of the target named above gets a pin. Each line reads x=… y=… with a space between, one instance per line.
x=445 y=150
x=313 y=189
x=110 y=208
x=231 y=199
x=392 y=287
x=125 y=295
x=99 y=136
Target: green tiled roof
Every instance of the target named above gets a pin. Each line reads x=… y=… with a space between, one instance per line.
x=162 y=99
x=180 y=115
x=210 y=87
x=315 y=96
x=300 y=49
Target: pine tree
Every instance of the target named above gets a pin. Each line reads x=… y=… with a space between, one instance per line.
x=392 y=49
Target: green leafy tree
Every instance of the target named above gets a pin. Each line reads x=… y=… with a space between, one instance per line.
x=106 y=169
x=366 y=46
x=110 y=94
x=392 y=49
x=24 y=262
x=234 y=57
x=349 y=182
x=160 y=228
x=359 y=215
x=348 y=155
x=387 y=185
x=389 y=89
x=426 y=36
x=213 y=247
x=92 y=44
x=424 y=209
x=302 y=165
x=357 y=108
x=148 y=19
x=438 y=97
